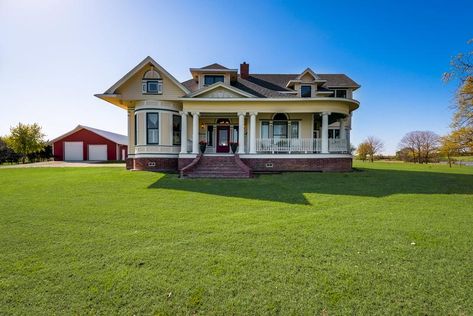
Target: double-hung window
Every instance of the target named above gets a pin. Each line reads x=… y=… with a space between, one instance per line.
x=294 y=129
x=152 y=128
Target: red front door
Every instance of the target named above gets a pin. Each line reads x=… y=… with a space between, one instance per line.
x=223 y=139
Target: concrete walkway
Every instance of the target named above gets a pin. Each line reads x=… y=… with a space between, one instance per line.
x=62 y=164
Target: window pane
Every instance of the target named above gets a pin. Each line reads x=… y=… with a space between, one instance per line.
x=264 y=129
x=279 y=130
x=176 y=130
x=341 y=93
x=294 y=129
x=152 y=136
x=305 y=91
x=336 y=133
x=152 y=127
x=222 y=137
x=208 y=80
x=152 y=120
x=210 y=135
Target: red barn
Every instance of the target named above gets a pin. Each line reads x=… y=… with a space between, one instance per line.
x=87 y=143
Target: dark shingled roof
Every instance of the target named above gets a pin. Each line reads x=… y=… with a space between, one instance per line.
x=214 y=66
x=271 y=85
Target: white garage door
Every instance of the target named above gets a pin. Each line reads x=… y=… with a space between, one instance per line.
x=97 y=152
x=73 y=151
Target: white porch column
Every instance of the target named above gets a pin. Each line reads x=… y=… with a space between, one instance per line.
x=325 y=132
x=343 y=133
x=195 y=132
x=241 y=132
x=183 y=132
x=253 y=132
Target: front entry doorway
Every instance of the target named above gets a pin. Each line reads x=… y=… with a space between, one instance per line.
x=223 y=139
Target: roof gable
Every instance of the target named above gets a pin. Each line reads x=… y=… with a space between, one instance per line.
x=310 y=72
x=214 y=66
x=114 y=137
x=220 y=90
x=147 y=61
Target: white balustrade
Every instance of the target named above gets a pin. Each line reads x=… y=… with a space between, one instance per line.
x=299 y=145
x=152 y=149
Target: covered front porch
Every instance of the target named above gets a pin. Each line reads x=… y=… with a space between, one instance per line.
x=253 y=133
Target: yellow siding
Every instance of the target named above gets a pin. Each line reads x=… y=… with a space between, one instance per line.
x=165 y=128
x=131 y=89
x=141 y=128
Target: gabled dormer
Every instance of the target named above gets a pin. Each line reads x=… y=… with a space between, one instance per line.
x=307 y=84
x=211 y=74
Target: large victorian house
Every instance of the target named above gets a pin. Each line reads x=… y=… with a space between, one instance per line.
x=273 y=122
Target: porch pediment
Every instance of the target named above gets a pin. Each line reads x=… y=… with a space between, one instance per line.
x=220 y=90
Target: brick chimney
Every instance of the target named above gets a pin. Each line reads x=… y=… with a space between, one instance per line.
x=244 y=70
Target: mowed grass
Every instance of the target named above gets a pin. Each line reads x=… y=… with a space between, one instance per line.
x=390 y=238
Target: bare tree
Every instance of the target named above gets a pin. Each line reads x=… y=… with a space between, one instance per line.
x=375 y=146
x=422 y=145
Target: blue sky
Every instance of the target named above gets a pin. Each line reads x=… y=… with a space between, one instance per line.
x=56 y=54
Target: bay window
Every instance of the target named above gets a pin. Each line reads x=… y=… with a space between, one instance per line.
x=152 y=128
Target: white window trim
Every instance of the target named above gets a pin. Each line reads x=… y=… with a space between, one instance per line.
x=289 y=122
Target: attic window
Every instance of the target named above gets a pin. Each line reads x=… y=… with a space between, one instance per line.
x=211 y=79
x=306 y=91
x=152 y=83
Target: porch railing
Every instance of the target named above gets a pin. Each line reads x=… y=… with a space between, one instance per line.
x=153 y=149
x=299 y=145
x=338 y=145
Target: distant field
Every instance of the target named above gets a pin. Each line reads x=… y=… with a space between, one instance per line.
x=388 y=238
x=460 y=158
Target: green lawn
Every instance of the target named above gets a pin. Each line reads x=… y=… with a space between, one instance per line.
x=390 y=238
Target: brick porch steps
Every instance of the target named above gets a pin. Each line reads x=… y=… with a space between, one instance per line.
x=216 y=167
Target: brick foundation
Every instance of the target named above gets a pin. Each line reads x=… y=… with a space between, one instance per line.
x=154 y=164
x=129 y=163
x=298 y=164
x=255 y=164
x=183 y=162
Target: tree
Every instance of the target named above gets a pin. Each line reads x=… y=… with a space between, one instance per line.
x=6 y=153
x=370 y=147
x=464 y=137
x=362 y=151
x=421 y=144
x=374 y=145
x=462 y=70
x=405 y=154
x=25 y=139
x=449 y=147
